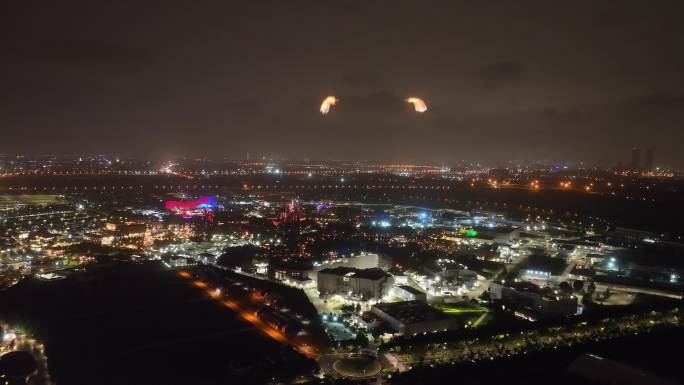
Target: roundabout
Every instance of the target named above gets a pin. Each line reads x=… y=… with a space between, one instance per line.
x=357 y=366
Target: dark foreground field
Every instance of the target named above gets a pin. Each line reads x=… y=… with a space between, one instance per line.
x=141 y=324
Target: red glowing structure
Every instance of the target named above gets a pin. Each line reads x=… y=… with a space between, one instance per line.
x=202 y=206
x=290 y=215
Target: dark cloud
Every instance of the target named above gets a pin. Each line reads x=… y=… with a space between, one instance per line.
x=662 y=100
x=550 y=111
x=362 y=78
x=528 y=78
x=359 y=105
x=375 y=103
x=79 y=54
x=247 y=106
x=557 y=113
x=499 y=73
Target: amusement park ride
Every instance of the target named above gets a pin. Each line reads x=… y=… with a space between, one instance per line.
x=203 y=207
x=290 y=215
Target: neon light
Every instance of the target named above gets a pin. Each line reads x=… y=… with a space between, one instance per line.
x=323 y=206
x=188 y=209
x=467 y=232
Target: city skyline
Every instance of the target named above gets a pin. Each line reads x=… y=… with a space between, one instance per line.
x=635 y=161
x=388 y=192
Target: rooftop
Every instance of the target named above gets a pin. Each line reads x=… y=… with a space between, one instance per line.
x=544 y=263
x=546 y=292
x=372 y=273
x=411 y=289
x=411 y=312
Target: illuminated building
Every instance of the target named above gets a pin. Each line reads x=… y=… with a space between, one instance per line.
x=290 y=215
x=177 y=261
x=531 y=302
x=365 y=284
x=409 y=293
x=413 y=317
x=201 y=206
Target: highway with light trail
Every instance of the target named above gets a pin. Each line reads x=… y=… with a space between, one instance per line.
x=308 y=351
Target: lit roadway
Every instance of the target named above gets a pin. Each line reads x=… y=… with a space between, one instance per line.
x=308 y=351
x=546 y=339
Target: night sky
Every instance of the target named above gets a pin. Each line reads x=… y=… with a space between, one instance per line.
x=562 y=80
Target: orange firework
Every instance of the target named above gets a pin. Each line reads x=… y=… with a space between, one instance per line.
x=327 y=103
x=418 y=104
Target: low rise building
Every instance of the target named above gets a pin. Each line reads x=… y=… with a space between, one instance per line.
x=364 y=284
x=542 y=269
x=506 y=235
x=457 y=277
x=531 y=302
x=413 y=317
x=178 y=261
x=409 y=293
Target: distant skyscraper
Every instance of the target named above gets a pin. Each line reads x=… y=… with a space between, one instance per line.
x=636 y=159
x=648 y=160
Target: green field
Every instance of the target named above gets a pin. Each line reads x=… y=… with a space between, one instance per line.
x=461 y=307
x=26 y=199
x=470 y=314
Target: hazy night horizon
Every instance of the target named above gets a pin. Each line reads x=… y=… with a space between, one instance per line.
x=580 y=81
x=385 y=192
